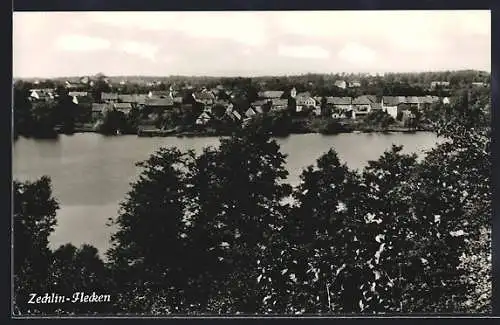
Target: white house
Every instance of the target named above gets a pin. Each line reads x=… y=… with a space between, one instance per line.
x=250 y=113
x=446 y=101
x=203 y=119
x=341 y=84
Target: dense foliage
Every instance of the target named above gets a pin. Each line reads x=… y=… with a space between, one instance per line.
x=221 y=232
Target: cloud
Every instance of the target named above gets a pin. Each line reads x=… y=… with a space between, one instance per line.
x=242 y=27
x=81 y=43
x=303 y=51
x=141 y=49
x=357 y=54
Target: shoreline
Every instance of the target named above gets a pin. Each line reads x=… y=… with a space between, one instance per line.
x=157 y=133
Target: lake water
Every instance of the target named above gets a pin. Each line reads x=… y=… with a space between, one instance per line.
x=91 y=173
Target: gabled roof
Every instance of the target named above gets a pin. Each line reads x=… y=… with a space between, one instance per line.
x=340 y=83
x=205 y=115
x=259 y=102
x=391 y=100
x=279 y=102
x=250 y=112
x=122 y=106
x=98 y=107
x=236 y=114
x=426 y=99
x=205 y=95
x=339 y=100
x=271 y=94
x=159 y=93
x=412 y=100
x=304 y=94
x=78 y=93
x=303 y=99
x=362 y=100
x=133 y=98
x=222 y=102
x=159 y=102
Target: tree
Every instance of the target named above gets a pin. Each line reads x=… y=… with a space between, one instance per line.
x=75 y=270
x=23 y=119
x=150 y=261
x=321 y=232
x=239 y=189
x=34 y=220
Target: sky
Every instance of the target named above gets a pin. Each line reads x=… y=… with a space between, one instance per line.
x=250 y=43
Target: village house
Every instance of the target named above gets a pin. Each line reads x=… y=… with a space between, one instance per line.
x=232 y=115
x=446 y=101
x=261 y=105
x=41 y=94
x=443 y=84
x=412 y=101
x=361 y=106
x=124 y=108
x=425 y=102
x=340 y=84
x=206 y=97
x=390 y=105
x=78 y=93
x=109 y=97
x=354 y=84
x=136 y=99
x=479 y=84
x=250 y=112
x=158 y=105
x=203 y=118
x=271 y=94
x=75 y=86
x=98 y=110
x=375 y=107
x=160 y=94
x=305 y=102
x=278 y=104
x=338 y=104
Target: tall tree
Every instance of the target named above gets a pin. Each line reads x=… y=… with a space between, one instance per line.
x=34 y=220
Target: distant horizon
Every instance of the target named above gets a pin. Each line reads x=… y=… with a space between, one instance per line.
x=246 y=76
x=248 y=43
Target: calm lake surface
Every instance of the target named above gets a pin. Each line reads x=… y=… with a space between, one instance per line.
x=91 y=173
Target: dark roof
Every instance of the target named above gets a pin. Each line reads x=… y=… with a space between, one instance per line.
x=304 y=94
x=339 y=100
x=271 y=94
x=391 y=100
x=222 y=102
x=205 y=95
x=159 y=102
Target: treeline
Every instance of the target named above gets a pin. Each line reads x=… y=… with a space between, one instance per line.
x=211 y=233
